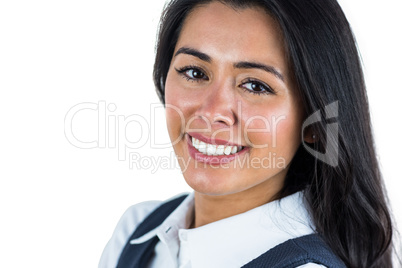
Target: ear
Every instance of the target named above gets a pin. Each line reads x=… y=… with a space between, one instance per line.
x=309 y=136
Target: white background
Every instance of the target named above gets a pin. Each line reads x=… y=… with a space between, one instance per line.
x=59 y=204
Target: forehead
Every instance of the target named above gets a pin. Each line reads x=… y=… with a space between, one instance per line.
x=219 y=30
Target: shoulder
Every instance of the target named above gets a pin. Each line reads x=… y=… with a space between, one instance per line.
x=135 y=214
x=127 y=224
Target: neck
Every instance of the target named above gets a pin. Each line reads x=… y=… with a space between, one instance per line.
x=211 y=208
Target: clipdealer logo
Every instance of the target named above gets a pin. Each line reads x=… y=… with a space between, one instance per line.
x=331 y=154
x=112 y=129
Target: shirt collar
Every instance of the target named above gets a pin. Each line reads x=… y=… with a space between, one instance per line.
x=180 y=218
x=260 y=229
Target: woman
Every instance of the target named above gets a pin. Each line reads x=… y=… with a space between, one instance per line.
x=268 y=115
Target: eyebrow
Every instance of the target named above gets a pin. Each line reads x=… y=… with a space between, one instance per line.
x=239 y=65
x=193 y=52
x=254 y=65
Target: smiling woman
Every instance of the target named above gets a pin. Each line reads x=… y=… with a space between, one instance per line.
x=224 y=70
x=275 y=185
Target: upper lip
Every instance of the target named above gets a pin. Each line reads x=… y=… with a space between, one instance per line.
x=214 y=141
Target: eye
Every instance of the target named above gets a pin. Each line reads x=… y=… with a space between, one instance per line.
x=196 y=74
x=192 y=73
x=257 y=87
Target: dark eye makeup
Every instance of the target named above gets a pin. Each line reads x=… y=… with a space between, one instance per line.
x=192 y=73
x=250 y=85
x=255 y=86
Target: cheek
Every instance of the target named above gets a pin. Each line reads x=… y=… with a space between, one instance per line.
x=278 y=129
x=288 y=133
x=170 y=87
x=178 y=106
x=173 y=121
x=177 y=96
x=174 y=114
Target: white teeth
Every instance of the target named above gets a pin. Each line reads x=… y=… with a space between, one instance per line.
x=220 y=149
x=202 y=147
x=210 y=149
x=228 y=150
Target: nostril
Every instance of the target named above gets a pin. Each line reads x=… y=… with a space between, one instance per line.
x=224 y=120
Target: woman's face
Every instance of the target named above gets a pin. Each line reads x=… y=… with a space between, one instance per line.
x=229 y=85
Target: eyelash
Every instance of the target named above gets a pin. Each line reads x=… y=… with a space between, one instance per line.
x=267 y=89
x=183 y=71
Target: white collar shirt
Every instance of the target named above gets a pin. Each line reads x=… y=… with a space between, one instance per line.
x=230 y=242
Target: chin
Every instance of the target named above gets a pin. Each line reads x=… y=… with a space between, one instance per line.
x=213 y=185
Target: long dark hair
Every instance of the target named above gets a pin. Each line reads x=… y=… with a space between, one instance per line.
x=348 y=202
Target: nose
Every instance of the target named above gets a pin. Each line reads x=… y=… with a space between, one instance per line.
x=218 y=105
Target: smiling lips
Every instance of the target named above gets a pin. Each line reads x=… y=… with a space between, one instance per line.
x=219 y=153
x=210 y=149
